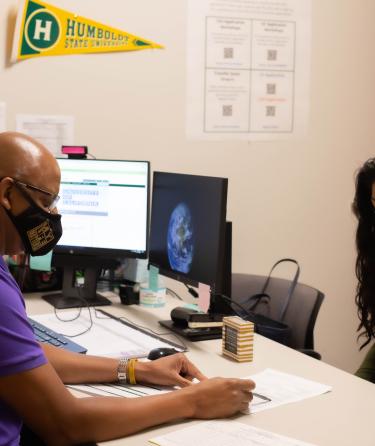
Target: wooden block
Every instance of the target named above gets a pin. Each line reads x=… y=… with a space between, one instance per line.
x=238 y=338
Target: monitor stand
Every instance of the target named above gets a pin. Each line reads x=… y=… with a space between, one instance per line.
x=73 y=296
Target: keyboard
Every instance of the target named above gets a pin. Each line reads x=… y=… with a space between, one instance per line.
x=45 y=335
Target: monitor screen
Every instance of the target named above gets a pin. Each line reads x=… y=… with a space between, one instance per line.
x=187 y=232
x=104 y=207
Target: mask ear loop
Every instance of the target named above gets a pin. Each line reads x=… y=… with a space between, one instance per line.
x=25 y=195
x=32 y=202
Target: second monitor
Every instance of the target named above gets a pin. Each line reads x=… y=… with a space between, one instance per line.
x=189 y=237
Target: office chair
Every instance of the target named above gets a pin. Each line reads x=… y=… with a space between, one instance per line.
x=301 y=312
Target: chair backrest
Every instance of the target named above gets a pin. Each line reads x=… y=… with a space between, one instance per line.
x=302 y=310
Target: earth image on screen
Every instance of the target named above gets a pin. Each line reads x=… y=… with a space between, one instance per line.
x=180 y=240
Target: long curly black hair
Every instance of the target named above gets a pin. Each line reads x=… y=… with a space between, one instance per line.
x=364 y=210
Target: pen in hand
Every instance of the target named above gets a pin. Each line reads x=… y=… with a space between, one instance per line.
x=262 y=397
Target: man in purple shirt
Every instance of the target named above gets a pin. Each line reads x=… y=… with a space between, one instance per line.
x=32 y=377
x=18 y=349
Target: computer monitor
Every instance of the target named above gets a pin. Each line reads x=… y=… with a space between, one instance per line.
x=104 y=206
x=189 y=237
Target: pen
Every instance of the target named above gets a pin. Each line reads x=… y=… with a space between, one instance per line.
x=262 y=397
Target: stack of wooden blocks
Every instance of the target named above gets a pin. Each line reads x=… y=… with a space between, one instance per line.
x=238 y=338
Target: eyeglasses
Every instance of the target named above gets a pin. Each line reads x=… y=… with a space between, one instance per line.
x=54 y=197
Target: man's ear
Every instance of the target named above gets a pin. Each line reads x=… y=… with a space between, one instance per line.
x=5 y=191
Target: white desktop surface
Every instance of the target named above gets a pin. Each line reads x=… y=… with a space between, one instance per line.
x=342 y=417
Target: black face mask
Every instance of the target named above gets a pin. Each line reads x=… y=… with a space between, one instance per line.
x=39 y=230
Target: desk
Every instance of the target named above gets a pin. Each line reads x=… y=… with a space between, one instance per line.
x=342 y=417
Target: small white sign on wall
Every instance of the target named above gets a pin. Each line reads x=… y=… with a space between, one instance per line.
x=51 y=130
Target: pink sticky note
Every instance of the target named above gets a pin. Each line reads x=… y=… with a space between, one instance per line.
x=203 y=296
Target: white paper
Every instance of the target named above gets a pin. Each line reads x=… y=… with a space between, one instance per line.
x=106 y=337
x=122 y=391
x=282 y=388
x=248 y=69
x=224 y=433
x=2 y=117
x=51 y=131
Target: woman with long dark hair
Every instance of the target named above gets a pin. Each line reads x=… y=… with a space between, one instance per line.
x=364 y=210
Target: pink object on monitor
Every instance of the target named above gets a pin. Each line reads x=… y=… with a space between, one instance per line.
x=74 y=150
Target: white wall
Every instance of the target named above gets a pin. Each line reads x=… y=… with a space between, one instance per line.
x=285 y=199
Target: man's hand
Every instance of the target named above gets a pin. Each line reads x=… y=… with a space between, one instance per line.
x=219 y=397
x=173 y=370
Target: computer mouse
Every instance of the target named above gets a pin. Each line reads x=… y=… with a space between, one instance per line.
x=157 y=353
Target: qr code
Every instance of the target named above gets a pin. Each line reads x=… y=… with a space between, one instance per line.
x=270 y=110
x=228 y=53
x=271 y=55
x=227 y=110
x=271 y=88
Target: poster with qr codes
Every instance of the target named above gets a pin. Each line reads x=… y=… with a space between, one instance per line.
x=248 y=69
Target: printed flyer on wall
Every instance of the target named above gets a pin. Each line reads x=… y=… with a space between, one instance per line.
x=248 y=69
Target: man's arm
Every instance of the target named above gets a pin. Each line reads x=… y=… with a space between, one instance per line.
x=49 y=409
x=55 y=415
x=75 y=368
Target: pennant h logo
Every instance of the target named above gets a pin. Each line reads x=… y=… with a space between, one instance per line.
x=42 y=30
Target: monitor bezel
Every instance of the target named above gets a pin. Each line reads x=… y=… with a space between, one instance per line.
x=110 y=252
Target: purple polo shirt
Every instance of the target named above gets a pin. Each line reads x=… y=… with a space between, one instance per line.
x=19 y=350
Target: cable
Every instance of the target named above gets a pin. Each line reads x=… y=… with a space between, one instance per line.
x=25 y=267
x=258 y=296
x=173 y=293
x=19 y=267
x=82 y=299
x=191 y=290
x=230 y=301
x=259 y=320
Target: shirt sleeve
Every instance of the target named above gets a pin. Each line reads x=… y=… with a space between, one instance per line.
x=367 y=368
x=19 y=350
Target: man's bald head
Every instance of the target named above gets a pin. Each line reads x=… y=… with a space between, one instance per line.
x=24 y=158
